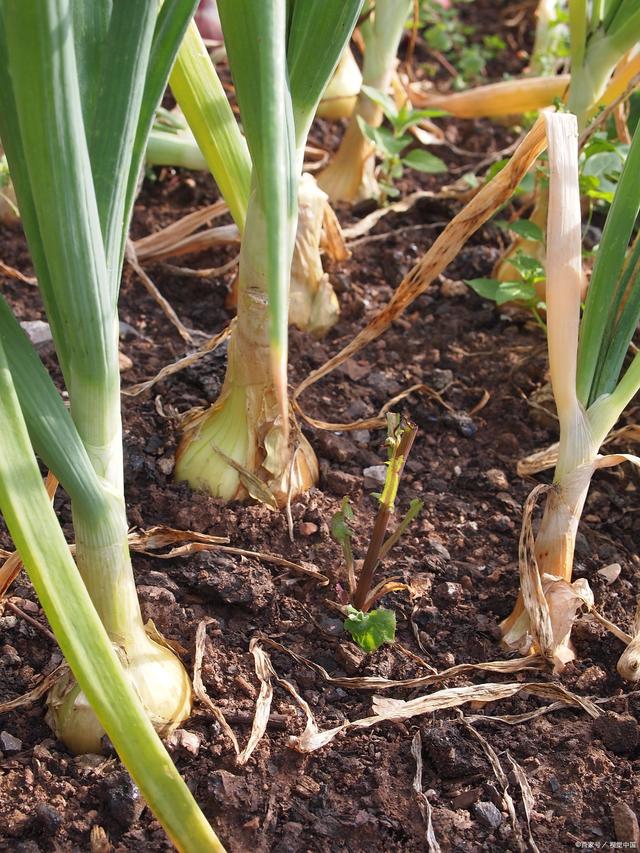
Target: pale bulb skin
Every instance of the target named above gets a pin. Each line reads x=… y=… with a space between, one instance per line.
x=629 y=664
x=340 y=96
x=157 y=677
x=313 y=305
x=244 y=424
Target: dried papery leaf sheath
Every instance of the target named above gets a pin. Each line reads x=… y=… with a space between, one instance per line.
x=313 y=305
x=577 y=351
x=495 y=100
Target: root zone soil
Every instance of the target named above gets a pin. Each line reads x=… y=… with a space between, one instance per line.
x=459 y=558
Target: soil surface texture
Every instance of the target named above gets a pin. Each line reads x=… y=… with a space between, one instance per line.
x=484 y=405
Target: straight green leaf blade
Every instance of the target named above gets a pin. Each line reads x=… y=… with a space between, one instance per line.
x=202 y=99
x=111 y=134
x=600 y=319
x=51 y=429
x=318 y=33
x=47 y=97
x=171 y=25
x=255 y=37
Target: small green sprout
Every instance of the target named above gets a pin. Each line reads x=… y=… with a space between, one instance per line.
x=371 y=628
x=523 y=292
x=393 y=144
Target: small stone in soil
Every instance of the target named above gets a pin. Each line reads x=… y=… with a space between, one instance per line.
x=497 y=479
x=335 y=447
x=341 y=483
x=47 y=817
x=9 y=744
x=231 y=582
x=387 y=384
x=154 y=444
x=182 y=739
x=582 y=545
x=356 y=410
x=123 y=799
x=128 y=331
x=610 y=573
x=449 y=754
x=9 y=656
x=330 y=625
x=440 y=378
x=464 y=424
x=350 y=657
x=466 y=799
x=619 y=733
x=448 y=593
x=374 y=476
x=307 y=787
x=307 y=528
x=439 y=549
x=39 y=333
x=362 y=437
x=591 y=678
x=166 y=464
x=487 y=814
x=625 y=823
x=450 y=288
x=501 y=523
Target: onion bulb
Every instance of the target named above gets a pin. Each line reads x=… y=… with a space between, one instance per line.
x=238 y=449
x=157 y=677
x=339 y=98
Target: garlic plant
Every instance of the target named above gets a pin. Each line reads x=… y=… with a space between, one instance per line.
x=75 y=160
x=350 y=175
x=601 y=33
x=313 y=305
x=590 y=385
x=248 y=442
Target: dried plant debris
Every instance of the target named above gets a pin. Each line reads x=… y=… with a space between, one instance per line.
x=374 y=682
x=501 y=778
x=181 y=364
x=35 y=693
x=423 y=802
x=188 y=542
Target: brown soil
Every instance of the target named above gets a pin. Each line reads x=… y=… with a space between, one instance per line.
x=355 y=794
